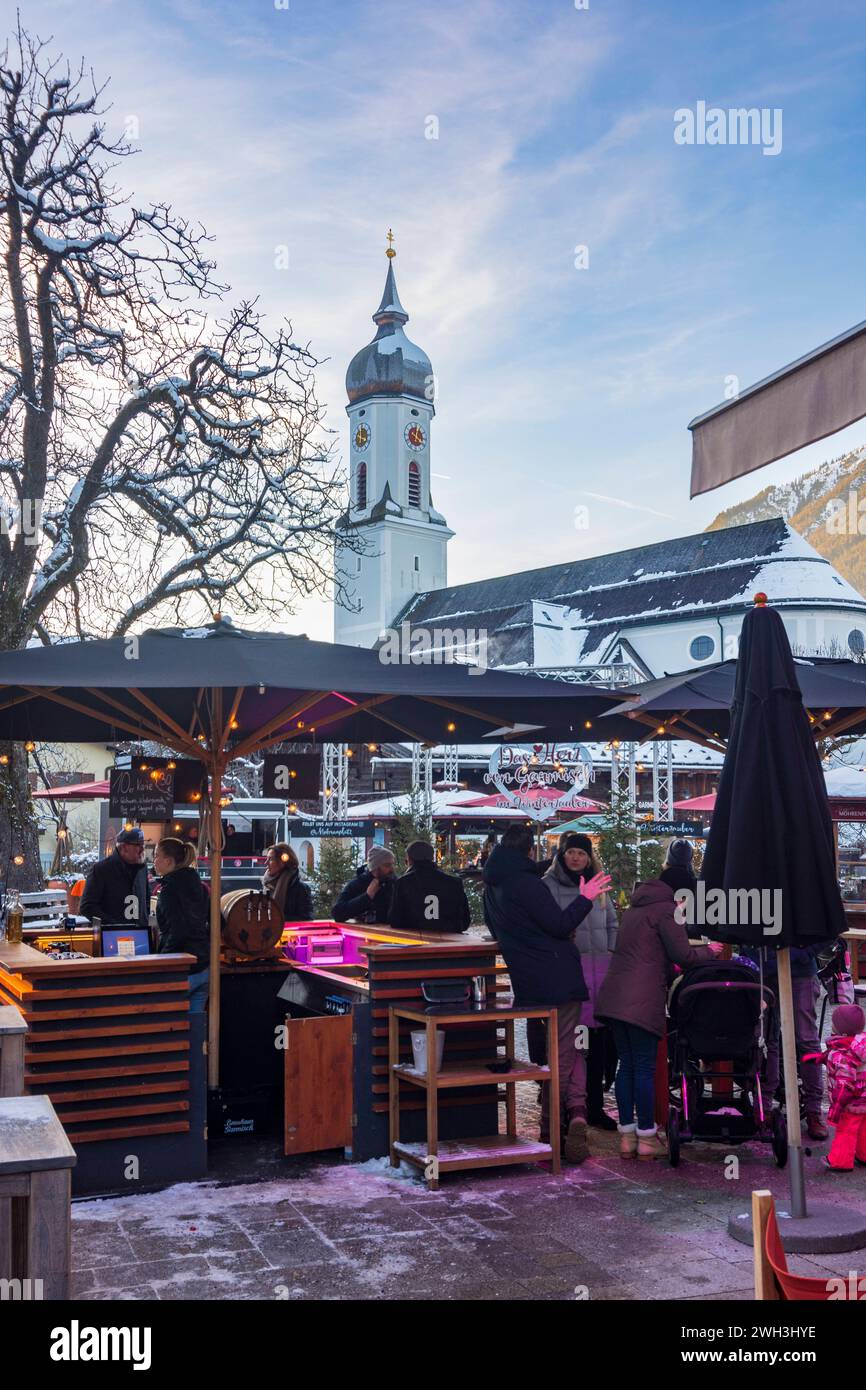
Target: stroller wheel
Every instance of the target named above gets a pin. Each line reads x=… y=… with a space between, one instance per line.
x=674 y=1137
x=780 y=1138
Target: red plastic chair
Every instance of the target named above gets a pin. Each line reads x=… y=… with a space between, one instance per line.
x=793 y=1288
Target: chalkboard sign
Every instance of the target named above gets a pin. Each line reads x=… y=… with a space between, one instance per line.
x=136 y=795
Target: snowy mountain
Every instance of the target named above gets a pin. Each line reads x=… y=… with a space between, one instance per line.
x=827 y=506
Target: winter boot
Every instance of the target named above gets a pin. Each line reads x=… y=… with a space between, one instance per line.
x=815 y=1127
x=601 y=1120
x=649 y=1144
x=575 y=1149
x=627 y=1141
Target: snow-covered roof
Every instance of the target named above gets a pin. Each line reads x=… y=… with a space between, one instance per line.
x=590 y=601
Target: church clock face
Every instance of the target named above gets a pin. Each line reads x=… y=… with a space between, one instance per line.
x=362 y=437
x=414 y=436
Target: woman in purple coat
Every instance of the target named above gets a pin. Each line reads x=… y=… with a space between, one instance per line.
x=632 y=998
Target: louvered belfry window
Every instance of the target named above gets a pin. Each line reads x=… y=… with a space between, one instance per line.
x=362 y=485
x=414 y=485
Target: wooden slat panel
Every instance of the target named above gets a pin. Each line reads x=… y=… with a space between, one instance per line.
x=92 y=1136
x=170 y=986
x=114 y=1092
x=86 y=1052
x=157 y=1007
x=121 y=1112
x=436 y=974
x=122 y=1031
x=44 y=1078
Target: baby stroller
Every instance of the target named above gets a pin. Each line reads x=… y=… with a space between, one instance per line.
x=714 y=1016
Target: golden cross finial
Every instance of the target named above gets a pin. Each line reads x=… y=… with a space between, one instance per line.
x=390 y=253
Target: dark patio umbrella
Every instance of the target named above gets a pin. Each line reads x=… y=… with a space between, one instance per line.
x=216 y=693
x=771 y=831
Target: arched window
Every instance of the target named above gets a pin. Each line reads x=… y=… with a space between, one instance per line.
x=362 y=485
x=414 y=485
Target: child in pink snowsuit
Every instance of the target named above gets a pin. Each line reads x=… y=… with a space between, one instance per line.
x=846 y=1079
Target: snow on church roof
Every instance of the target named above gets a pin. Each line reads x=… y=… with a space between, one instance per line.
x=713 y=571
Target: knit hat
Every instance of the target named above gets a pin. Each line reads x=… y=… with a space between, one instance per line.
x=680 y=852
x=378 y=855
x=418 y=850
x=848 y=1019
x=571 y=840
x=133 y=836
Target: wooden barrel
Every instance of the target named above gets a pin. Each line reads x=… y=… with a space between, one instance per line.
x=252 y=924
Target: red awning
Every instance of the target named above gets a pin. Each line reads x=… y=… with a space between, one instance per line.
x=79 y=791
x=697 y=803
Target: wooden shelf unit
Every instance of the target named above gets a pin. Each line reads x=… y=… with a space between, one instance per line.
x=487 y=1151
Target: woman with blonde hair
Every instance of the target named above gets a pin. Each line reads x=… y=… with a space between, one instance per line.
x=595 y=938
x=282 y=882
x=182 y=913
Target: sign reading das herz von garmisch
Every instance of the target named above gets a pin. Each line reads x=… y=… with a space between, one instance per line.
x=535 y=777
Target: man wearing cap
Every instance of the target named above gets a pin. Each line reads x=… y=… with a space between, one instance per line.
x=426 y=898
x=116 y=888
x=369 y=896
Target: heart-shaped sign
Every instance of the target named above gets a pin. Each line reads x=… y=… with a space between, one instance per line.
x=538 y=777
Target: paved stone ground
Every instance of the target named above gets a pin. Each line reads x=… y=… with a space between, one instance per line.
x=332 y=1230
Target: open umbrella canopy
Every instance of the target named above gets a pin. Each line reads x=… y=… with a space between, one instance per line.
x=164 y=685
x=771 y=828
x=76 y=791
x=697 y=704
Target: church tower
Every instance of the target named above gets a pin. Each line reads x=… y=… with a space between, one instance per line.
x=390 y=388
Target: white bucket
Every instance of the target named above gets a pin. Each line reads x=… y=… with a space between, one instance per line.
x=419 y=1049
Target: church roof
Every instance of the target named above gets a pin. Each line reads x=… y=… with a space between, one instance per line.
x=391 y=364
x=711 y=572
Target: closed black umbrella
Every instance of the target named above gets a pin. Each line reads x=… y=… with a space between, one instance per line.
x=771 y=846
x=771 y=827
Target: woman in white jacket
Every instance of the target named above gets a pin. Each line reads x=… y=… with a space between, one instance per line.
x=595 y=938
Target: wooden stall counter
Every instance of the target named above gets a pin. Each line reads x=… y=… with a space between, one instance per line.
x=338 y=992
x=112 y=1043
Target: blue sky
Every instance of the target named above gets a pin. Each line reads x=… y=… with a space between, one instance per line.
x=558 y=387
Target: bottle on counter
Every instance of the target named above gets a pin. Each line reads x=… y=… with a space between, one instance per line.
x=14 y=918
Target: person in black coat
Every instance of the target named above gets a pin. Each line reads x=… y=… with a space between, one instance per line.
x=116 y=889
x=369 y=897
x=282 y=881
x=544 y=965
x=426 y=898
x=183 y=914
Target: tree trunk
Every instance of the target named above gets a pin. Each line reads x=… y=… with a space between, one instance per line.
x=18 y=829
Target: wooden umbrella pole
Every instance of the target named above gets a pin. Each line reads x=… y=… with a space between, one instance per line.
x=792 y=1090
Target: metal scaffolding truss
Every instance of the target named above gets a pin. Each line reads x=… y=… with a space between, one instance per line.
x=663 y=780
x=335 y=780
x=451 y=763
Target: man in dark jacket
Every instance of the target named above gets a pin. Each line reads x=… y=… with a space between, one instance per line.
x=116 y=888
x=544 y=964
x=369 y=897
x=426 y=898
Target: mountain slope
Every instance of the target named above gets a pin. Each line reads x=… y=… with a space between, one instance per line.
x=818 y=506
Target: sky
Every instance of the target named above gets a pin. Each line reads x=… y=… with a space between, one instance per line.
x=565 y=378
